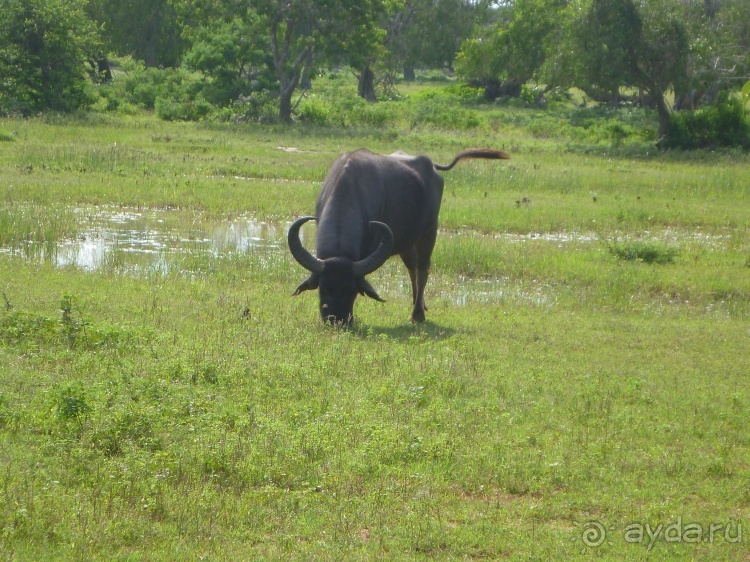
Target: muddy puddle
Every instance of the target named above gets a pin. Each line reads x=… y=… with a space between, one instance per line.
x=146 y=239
x=161 y=242
x=165 y=241
x=150 y=240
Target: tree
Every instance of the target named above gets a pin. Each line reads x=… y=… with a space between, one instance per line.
x=561 y=62
x=662 y=59
x=429 y=33
x=229 y=37
x=609 y=38
x=294 y=36
x=364 y=46
x=148 y=30
x=481 y=62
x=606 y=45
x=405 y=34
x=622 y=45
x=719 y=54
x=512 y=50
x=735 y=56
x=482 y=58
x=44 y=48
x=232 y=56
x=301 y=30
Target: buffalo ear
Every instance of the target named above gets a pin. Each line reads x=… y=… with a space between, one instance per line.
x=366 y=289
x=307 y=285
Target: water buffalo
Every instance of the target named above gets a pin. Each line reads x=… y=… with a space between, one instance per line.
x=372 y=206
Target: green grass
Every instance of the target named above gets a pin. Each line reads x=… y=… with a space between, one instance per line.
x=564 y=376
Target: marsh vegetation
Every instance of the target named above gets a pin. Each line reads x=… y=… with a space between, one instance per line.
x=584 y=359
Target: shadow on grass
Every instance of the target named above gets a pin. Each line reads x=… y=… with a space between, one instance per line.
x=426 y=331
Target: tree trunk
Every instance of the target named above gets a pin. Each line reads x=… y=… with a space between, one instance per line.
x=152 y=38
x=512 y=88
x=409 y=74
x=288 y=74
x=663 y=112
x=305 y=82
x=492 y=89
x=366 y=87
x=285 y=105
x=104 y=71
x=656 y=92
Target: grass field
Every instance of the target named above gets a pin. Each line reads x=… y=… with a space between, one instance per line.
x=580 y=388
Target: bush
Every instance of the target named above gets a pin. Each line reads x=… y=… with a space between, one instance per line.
x=186 y=109
x=315 y=111
x=71 y=402
x=646 y=252
x=466 y=93
x=44 y=47
x=723 y=125
x=342 y=107
x=175 y=94
x=145 y=85
x=261 y=107
x=442 y=110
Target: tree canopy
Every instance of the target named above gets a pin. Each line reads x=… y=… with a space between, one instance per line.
x=613 y=50
x=45 y=46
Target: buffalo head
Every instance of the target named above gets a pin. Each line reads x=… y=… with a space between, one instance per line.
x=339 y=280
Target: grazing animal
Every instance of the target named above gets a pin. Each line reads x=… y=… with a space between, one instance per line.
x=373 y=206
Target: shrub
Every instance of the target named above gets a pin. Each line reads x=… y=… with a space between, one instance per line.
x=346 y=109
x=441 y=110
x=176 y=92
x=722 y=125
x=44 y=47
x=185 y=109
x=71 y=402
x=146 y=85
x=646 y=252
x=316 y=111
x=261 y=106
x=466 y=93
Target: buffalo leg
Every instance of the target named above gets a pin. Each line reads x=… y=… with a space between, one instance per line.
x=424 y=253
x=418 y=277
x=417 y=314
x=417 y=261
x=410 y=261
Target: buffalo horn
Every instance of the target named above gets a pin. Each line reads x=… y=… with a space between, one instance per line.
x=303 y=257
x=378 y=257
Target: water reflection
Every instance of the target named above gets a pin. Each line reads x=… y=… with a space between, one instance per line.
x=144 y=239
x=166 y=241
x=493 y=291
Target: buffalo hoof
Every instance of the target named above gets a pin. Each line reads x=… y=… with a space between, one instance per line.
x=417 y=317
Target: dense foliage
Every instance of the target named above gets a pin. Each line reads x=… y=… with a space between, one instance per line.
x=721 y=125
x=201 y=58
x=45 y=47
